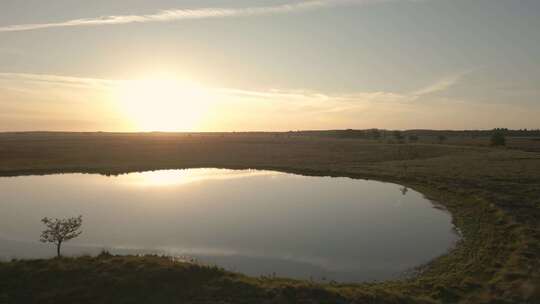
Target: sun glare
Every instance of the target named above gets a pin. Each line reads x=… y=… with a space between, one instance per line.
x=162 y=104
x=185 y=177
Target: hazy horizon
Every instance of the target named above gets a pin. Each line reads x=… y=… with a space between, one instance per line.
x=268 y=65
x=533 y=130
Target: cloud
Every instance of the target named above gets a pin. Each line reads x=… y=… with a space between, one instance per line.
x=439 y=86
x=56 y=80
x=322 y=101
x=186 y=14
x=68 y=97
x=307 y=103
x=442 y=85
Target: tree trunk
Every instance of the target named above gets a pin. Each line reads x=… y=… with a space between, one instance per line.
x=58 y=248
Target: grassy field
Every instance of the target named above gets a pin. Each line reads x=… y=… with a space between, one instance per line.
x=493 y=194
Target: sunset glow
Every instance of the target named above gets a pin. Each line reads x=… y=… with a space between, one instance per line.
x=268 y=65
x=270 y=151
x=161 y=104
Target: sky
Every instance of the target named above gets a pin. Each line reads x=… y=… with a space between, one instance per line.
x=272 y=65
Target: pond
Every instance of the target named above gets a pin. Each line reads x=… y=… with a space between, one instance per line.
x=249 y=221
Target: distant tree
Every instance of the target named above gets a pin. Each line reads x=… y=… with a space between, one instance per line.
x=442 y=138
x=413 y=138
x=398 y=136
x=375 y=134
x=60 y=230
x=498 y=138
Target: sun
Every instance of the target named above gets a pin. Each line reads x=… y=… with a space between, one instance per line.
x=162 y=104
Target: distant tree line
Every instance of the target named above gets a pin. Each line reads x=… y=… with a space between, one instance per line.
x=414 y=135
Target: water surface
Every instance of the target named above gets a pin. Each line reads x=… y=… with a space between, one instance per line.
x=255 y=222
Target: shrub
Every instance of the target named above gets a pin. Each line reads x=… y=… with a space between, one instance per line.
x=498 y=138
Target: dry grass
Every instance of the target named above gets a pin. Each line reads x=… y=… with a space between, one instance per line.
x=492 y=193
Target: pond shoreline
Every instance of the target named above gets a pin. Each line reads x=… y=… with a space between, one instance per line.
x=378 y=230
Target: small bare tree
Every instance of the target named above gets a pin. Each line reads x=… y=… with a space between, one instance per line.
x=60 y=230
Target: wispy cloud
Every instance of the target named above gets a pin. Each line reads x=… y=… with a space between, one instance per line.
x=57 y=80
x=442 y=85
x=345 y=101
x=186 y=14
x=261 y=109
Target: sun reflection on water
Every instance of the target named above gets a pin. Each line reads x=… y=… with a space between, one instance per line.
x=183 y=177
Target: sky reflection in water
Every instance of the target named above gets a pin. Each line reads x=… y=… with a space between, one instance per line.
x=255 y=222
